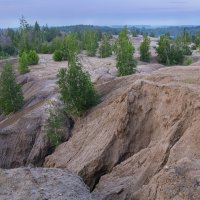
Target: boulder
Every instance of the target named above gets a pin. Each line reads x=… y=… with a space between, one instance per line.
x=39 y=183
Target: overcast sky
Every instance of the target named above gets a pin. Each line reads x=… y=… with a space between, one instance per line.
x=100 y=12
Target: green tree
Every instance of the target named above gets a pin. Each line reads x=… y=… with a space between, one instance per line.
x=37 y=37
x=72 y=46
x=90 y=42
x=83 y=40
x=176 y=54
x=23 y=63
x=45 y=48
x=14 y=37
x=152 y=34
x=126 y=64
x=76 y=89
x=24 y=44
x=169 y=54
x=55 y=125
x=134 y=33
x=183 y=42
x=163 y=50
x=33 y=58
x=105 y=49
x=11 y=97
x=57 y=56
x=57 y=44
x=36 y=27
x=197 y=40
x=145 y=50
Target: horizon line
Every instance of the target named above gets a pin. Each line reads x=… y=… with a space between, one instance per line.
x=111 y=26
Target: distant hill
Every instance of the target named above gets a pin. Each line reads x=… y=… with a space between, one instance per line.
x=171 y=30
x=156 y=30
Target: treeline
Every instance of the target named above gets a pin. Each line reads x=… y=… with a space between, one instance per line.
x=44 y=39
x=26 y=37
x=172 y=31
x=81 y=28
x=47 y=39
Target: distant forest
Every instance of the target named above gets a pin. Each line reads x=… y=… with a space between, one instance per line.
x=173 y=31
x=43 y=38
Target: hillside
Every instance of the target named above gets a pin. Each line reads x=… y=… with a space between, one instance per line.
x=140 y=142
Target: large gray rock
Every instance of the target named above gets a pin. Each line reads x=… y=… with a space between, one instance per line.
x=41 y=184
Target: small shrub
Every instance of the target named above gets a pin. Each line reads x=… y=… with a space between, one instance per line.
x=169 y=54
x=163 y=50
x=23 y=63
x=11 y=97
x=188 y=61
x=3 y=55
x=105 y=49
x=72 y=46
x=54 y=127
x=145 y=50
x=126 y=64
x=152 y=35
x=197 y=39
x=90 y=42
x=33 y=58
x=57 y=43
x=65 y=55
x=176 y=55
x=57 y=56
x=45 y=48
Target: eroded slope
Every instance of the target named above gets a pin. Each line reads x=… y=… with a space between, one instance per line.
x=144 y=126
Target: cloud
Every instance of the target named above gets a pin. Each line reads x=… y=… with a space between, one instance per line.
x=178 y=2
x=108 y=12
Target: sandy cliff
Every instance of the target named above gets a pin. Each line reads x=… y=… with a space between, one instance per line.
x=141 y=142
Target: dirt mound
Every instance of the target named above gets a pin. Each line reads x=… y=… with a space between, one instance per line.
x=145 y=132
x=100 y=69
x=34 y=184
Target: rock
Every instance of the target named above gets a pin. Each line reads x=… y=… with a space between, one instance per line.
x=144 y=124
x=172 y=184
x=101 y=69
x=38 y=183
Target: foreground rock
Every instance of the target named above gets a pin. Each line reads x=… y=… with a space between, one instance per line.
x=34 y=184
x=142 y=141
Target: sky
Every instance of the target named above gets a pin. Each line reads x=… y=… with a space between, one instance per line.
x=100 y=12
